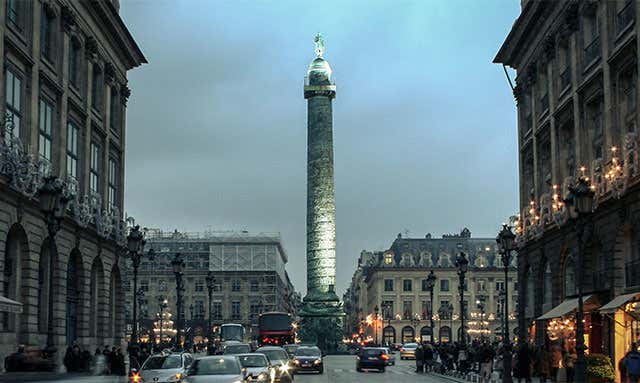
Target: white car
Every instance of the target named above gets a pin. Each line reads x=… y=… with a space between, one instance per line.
x=257 y=367
x=216 y=369
x=164 y=368
x=408 y=351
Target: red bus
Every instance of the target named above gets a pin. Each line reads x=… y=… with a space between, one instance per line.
x=275 y=329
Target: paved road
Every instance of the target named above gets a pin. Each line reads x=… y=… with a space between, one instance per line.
x=342 y=369
x=337 y=369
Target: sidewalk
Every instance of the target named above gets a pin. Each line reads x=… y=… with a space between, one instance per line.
x=58 y=376
x=454 y=376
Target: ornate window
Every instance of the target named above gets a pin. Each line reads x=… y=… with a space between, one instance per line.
x=94 y=168
x=388 y=285
x=406 y=285
x=389 y=335
x=408 y=334
x=444 y=285
x=13 y=100
x=112 y=195
x=72 y=150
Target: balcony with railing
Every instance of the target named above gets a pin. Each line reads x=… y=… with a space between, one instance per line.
x=592 y=52
x=625 y=17
x=632 y=273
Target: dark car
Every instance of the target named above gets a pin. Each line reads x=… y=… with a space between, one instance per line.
x=279 y=360
x=371 y=358
x=308 y=359
x=291 y=349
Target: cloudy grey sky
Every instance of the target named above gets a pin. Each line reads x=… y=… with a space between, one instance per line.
x=424 y=123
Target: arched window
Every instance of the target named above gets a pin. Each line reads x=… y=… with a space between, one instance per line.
x=569 y=277
x=15 y=251
x=95 y=297
x=547 y=288
x=445 y=334
x=426 y=334
x=389 y=335
x=408 y=334
x=73 y=295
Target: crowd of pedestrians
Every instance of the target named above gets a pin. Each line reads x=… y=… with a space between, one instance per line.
x=105 y=361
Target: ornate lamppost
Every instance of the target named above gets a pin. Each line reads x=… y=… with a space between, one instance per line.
x=376 y=310
x=506 y=244
x=431 y=282
x=135 y=247
x=53 y=204
x=211 y=284
x=580 y=204
x=140 y=298
x=178 y=269
x=462 y=264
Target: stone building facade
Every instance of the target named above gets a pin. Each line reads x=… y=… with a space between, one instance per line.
x=65 y=91
x=249 y=271
x=395 y=281
x=577 y=97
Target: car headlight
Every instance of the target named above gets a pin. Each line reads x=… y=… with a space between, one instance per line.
x=262 y=377
x=136 y=378
x=317 y=361
x=176 y=378
x=284 y=368
x=296 y=362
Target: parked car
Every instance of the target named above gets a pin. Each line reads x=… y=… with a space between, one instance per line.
x=257 y=367
x=280 y=361
x=392 y=358
x=236 y=348
x=408 y=351
x=371 y=358
x=308 y=359
x=215 y=369
x=165 y=367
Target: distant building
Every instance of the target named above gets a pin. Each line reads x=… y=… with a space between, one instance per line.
x=64 y=96
x=249 y=270
x=395 y=281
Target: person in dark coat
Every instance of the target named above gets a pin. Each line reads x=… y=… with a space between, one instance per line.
x=419 y=359
x=522 y=370
x=428 y=356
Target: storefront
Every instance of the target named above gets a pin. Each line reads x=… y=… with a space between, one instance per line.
x=559 y=324
x=624 y=311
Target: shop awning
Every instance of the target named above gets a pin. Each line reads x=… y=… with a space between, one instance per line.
x=569 y=306
x=9 y=306
x=618 y=302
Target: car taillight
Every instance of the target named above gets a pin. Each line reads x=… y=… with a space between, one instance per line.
x=384 y=356
x=402 y=350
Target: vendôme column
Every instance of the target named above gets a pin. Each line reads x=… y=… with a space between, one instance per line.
x=321 y=228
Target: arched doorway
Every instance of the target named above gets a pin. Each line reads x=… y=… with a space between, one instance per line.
x=45 y=277
x=74 y=268
x=408 y=334
x=15 y=253
x=426 y=334
x=95 y=296
x=389 y=335
x=116 y=308
x=445 y=334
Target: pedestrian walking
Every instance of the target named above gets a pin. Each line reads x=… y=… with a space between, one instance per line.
x=485 y=356
x=419 y=359
x=569 y=363
x=632 y=364
x=522 y=363
x=428 y=357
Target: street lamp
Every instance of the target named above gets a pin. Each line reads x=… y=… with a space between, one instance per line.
x=462 y=264
x=580 y=204
x=178 y=269
x=376 y=310
x=140 y=298
x=506 y=244
x=211 y=284
x=135 y=247
x=53 y=204
x=431 y=282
